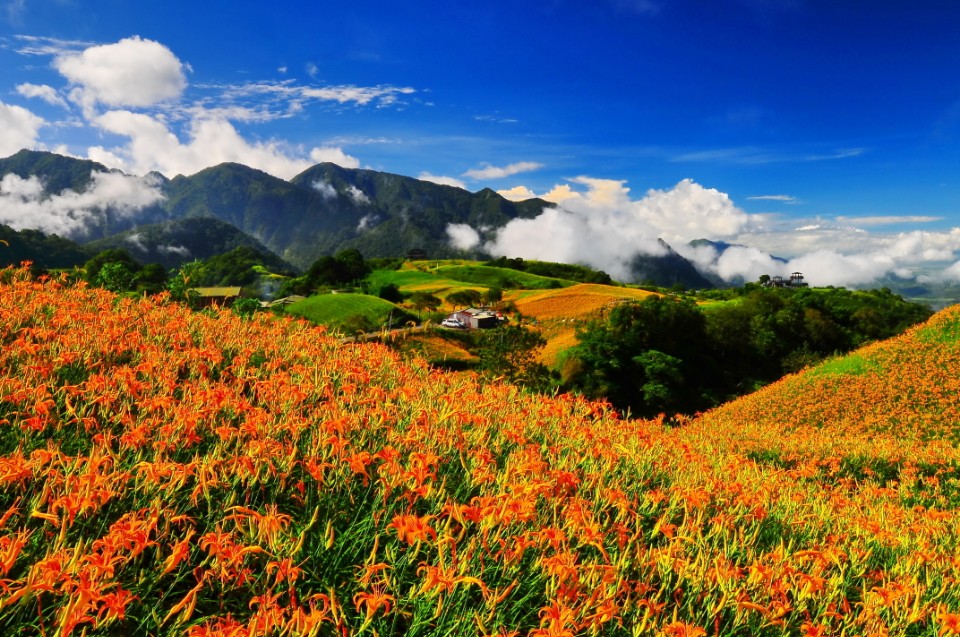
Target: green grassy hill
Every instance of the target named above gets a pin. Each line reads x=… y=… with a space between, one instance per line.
x=340 y=310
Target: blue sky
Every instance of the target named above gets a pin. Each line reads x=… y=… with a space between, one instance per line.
x=794 y=127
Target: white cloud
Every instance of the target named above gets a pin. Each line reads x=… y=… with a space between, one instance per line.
x=137 y=88
x=783 y=198
x=382 y=95
x=212 y=141
x=443 y=181
x=178 y=250
x=333 y=155
x=131 y=72
x=20 y=128
x=326 y=190
x=357 y=195
x=69 y=213
x=881 y=220
x=831 y=254
x=494 y=172
x=368 y=221
x=604 y=227
x=41 y=91
x=462 y=236
x=517 y=193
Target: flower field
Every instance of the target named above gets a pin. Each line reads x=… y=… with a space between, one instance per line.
x=580 y=301
x=173 y=473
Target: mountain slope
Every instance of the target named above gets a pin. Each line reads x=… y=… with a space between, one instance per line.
x=173 y=243
x=895 y=399
x=41 y=249
x=325 y=209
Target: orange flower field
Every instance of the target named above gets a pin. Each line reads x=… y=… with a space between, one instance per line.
x=174 y=473
x=581 y=301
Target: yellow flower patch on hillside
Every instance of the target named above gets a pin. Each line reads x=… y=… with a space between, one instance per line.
x=578 y=301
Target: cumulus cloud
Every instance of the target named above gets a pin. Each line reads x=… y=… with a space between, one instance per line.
x=603 y=227
x=443 y=181
x=137 y=89
x=131 y=72
x=153 y=146
x=20 y=128
x=69 y=213
x=495 y=172
x=462 y=236
x=41 y=91
x=333 y=155
x=517 y=193
x=599 y=223
x=831 y=254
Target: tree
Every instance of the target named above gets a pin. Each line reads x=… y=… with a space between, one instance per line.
x=390 y=292
x=185 y=278
x=245 y=306
x=510 y=352
x=152 y=278
x=649 y=357
x=464 y=298
x=113 y=255
x=424 y=301
x=493 y=296
x=115 y=276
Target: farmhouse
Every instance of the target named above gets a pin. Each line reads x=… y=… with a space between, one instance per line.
x=477 y=317
x=208 y=297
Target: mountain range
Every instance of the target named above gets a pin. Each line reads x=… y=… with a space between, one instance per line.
x=323 y=210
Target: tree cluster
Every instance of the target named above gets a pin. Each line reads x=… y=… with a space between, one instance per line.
x=346 y=267
x=570 y=272
x=667 y=355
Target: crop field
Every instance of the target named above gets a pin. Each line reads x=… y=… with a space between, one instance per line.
x=173 y=473
x=578 y=301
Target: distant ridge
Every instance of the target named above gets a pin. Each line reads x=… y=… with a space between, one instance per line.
x=323 y=210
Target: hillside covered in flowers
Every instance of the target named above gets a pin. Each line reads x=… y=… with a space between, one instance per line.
x=166 y=472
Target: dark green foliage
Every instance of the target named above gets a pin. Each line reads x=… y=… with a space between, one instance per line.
x=493 y=296
x=115 y=276
x=465 y=298
x=509 y=352
x=43 y=250
x=112 y=256
x=183 y=279
x=151 y=279
x=645 y=357
x=424 y=301
x=347 y=267
x=669 y=356
x=237 y=267
x=390 y=292
x=579 y=273
x=245 y=306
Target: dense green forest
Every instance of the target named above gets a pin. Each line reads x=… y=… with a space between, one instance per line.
x=669 y=355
